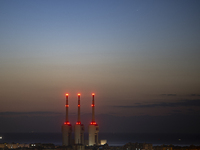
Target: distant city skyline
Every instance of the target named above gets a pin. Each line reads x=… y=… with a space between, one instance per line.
x=140 y=58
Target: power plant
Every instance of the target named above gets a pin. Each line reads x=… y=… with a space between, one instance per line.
x=78 y=140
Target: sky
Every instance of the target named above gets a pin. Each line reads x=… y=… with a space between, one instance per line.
x=140 y=58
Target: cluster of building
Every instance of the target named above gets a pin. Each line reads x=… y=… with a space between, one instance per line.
x=79 y=128
x=128 y=146
x=12 y=146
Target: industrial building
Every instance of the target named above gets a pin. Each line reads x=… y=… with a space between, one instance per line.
x=79 y=128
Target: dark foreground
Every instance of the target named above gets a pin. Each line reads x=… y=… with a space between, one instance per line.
x=128 y=146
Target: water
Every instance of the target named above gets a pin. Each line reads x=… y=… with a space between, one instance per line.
x=55 y=138
x=113 y=139
x=155 y=139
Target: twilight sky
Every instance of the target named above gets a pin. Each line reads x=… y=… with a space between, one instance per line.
x=140 y=58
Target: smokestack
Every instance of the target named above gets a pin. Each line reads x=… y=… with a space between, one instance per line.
x=93 y=119
x=79 y=128
x=66 y=127
x=67 y=105
x=79 y=118
x=93 y=129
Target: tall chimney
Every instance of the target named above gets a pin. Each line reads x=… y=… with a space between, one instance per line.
x=66 y=127
x=79 y=118
x=67 y=105
x=79 y=128
x=93 y=119
x=93 y=129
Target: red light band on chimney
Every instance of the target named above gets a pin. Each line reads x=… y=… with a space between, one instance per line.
x=68 y=123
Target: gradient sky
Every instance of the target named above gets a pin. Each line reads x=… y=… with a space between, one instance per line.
x=140 y=58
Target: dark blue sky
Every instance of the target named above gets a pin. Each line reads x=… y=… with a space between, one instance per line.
x=141 y=58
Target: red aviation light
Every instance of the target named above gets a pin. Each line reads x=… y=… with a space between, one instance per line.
x=68 y=123
x=92 y=105
x=93 y=93
x=78 y=105
x=93 y=123
x=78 y=122
x=79 y=94
x=66 y=105
x=66 y=94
